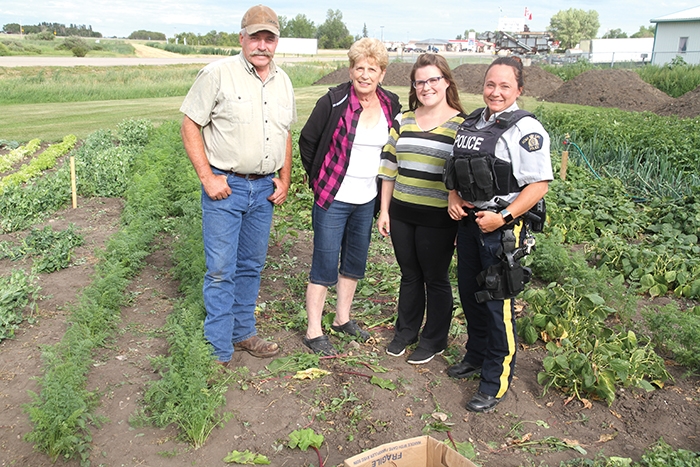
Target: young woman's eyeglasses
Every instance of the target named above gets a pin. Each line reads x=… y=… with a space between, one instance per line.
x=431 y=81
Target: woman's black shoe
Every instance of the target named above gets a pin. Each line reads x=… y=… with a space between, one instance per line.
x=463 y=370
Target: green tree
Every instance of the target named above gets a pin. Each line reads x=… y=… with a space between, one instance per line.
x=364 y=30
x=571 y=26
x=615 y=34
x=647 y=31
x=333 y=34
x=299 y=26
x=147 y=35
x=11 y=28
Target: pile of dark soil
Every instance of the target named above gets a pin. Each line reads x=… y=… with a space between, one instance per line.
x=622 y=89
x=470 y=77
x=338 y=76
x=685 y=106
x=538 y=82
x=397 y=74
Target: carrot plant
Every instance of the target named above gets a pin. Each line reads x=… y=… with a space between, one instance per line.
x=62 y=412
x=190 y=392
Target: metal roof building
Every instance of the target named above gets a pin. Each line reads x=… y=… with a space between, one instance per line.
x=677 y=35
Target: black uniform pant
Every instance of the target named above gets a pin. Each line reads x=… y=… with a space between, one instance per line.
x=490 y=325
x=424 y=255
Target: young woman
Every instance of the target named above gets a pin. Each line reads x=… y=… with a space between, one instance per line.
x=414 y=208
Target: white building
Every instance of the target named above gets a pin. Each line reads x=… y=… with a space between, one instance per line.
x=677 y=34
x=618 y=50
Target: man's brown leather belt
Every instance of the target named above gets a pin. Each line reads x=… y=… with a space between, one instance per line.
x=246 y=176
x=249 y=176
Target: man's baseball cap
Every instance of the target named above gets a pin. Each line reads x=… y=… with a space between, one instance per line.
x=260 y=18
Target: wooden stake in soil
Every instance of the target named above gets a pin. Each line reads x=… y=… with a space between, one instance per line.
x=72 y=182
x=564 y=164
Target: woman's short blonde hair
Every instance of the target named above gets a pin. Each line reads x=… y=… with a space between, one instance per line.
x=369 y=48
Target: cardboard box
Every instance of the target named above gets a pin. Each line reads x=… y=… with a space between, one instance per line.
x=423 y=451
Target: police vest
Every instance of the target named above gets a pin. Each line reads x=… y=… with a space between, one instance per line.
x=474 y=170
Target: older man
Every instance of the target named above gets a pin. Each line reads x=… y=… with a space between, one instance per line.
x=236 y=132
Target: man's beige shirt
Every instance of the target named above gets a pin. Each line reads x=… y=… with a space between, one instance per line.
x=245 y=121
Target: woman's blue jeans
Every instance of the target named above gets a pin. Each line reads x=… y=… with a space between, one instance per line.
x=341 y=233
x=235 y=232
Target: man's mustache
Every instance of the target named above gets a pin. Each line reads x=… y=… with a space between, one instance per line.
x=262 y=54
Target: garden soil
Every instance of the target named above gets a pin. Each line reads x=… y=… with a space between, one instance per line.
x=528 y=428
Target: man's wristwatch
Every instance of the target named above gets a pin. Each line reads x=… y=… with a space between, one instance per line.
x=507 y=216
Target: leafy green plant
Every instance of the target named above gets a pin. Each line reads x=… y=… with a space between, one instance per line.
x=43 y=161
x=17 y=291
x=306 y=438
x=17 y=154
x=51 y=250
x=22 y=206
x=663 y=455
x=246 y=457
x=135 y=132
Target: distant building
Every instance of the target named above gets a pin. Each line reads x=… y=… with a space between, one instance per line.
x=618 y=50
x=432 y=45
x=677 y=35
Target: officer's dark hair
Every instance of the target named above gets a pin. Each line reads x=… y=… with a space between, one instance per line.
x=451 y=94
x=515 y=63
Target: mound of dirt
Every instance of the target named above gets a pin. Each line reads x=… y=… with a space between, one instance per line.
x=538 y=82
x=622 y=89
x=685 y=106
x=338 y=76
x=470 y=77
x=397 y=74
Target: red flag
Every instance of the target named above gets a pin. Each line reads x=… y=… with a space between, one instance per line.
x=530 y=17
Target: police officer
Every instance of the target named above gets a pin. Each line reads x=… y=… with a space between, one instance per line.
x=500 y=158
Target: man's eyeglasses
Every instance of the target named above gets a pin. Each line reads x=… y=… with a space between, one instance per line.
x=431 y=81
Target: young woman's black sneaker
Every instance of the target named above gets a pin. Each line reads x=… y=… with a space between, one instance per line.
x=421 y=355
x=396 y=348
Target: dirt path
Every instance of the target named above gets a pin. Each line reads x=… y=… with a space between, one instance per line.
x=144 y=51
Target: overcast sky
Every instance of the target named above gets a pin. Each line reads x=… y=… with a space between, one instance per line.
x=393 y=21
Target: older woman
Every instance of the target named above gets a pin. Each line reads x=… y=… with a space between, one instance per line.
x=340 y=147
x=502 y=169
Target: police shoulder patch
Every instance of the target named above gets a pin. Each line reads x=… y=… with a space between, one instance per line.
x=532 y=142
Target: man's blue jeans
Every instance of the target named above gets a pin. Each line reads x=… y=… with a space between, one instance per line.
x=235 y=232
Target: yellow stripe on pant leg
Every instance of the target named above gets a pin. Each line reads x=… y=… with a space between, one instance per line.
x=507 y=321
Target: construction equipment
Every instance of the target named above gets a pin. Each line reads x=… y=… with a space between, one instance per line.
x=520 y=43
